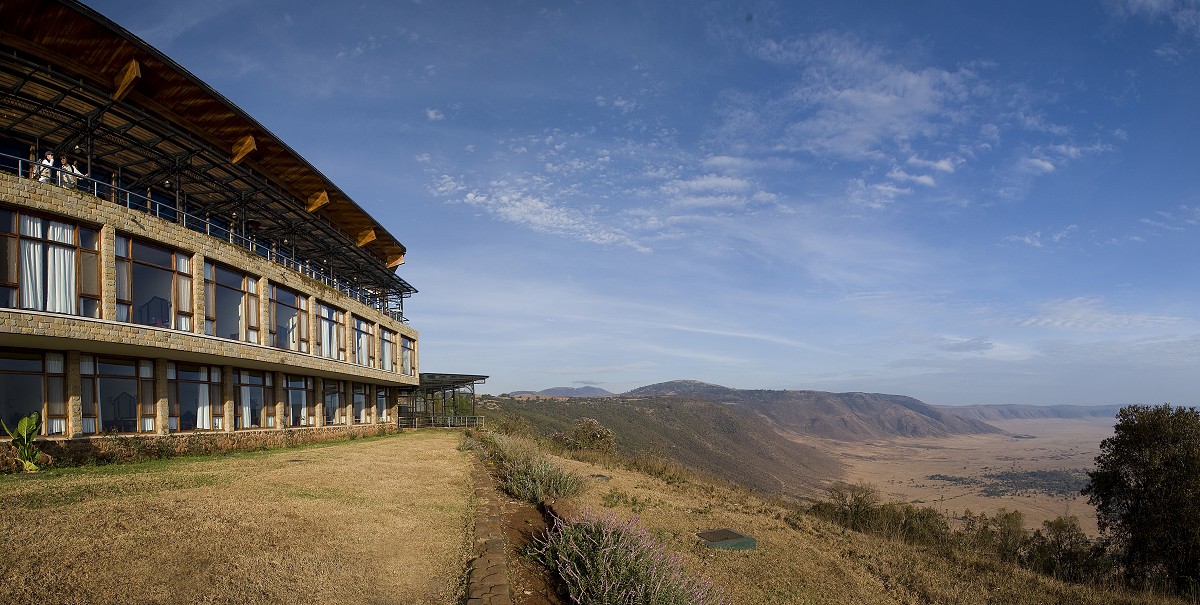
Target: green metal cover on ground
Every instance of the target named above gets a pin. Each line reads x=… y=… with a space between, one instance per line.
x=728 y=539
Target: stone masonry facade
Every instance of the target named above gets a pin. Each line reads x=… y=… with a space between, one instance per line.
x=77 y=335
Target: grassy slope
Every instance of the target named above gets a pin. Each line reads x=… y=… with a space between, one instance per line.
x=811 y=561
x=711 y=438
x=368 y=521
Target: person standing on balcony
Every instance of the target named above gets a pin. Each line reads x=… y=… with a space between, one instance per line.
x=70 y=173
x=44 y=171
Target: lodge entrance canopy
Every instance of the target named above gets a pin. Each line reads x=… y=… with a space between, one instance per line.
x=73 y=82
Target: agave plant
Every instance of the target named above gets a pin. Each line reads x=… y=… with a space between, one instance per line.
x=22 y=440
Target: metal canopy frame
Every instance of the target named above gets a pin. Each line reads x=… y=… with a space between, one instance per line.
x=435 y=390
x=142 y=147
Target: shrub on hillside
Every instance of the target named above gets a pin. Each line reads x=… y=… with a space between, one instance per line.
x=602 y=561
x=1061 y=549
x=858 y=507
x=525 y=473
x=587 y=434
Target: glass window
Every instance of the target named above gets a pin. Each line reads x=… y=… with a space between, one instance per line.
x=289 y=320
x=334 y=403
x=364 y=342
x=331 y=332
x=119 y=397
x=231 y=309
x=299 y=398
x=387 y=356
x=359 y=397
x=250 y=390
x=381 y=403
x=154 y=285
x=33 y=382
x=195 y=400
x=408 y=356
x=48 y=265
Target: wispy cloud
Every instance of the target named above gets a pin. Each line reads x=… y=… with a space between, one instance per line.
x=852 y=101
x=1083 y=314
x=526 y=203
x=1037 y=240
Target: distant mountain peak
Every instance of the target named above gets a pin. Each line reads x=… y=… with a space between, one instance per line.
x=680 y=388
x=588 y=391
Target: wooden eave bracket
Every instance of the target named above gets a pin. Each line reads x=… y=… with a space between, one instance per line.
x=365 y=237
x=124 y=80
x=317 y=200
x=243 y=147
x=395 y=261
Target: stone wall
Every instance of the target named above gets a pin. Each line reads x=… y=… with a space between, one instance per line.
x=132 y=448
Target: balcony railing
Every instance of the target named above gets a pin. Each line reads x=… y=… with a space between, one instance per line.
x=215 y=228
x=418 y=422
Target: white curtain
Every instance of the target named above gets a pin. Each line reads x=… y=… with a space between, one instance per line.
x=60 y=267
x=203 y=409
x=33 y=264
x=328 y=338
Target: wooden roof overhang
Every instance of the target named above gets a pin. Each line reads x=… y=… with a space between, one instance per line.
x=72 y=80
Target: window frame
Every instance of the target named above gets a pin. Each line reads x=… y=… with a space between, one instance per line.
x=86 y=303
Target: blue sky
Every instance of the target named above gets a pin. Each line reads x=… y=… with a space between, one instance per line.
x=957 y=201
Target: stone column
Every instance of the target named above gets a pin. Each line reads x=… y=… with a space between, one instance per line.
x=74 y=396
x=108 y=273
x=227 y=397
x=162 y=404
x=319 y=404
x=199 y=303
x=280 y=400
x=264 y=311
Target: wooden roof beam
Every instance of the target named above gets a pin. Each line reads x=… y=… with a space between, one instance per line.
x=316 y=200
x=242 y=148
x=125 y=80
x=365 y=237
x=395 y=261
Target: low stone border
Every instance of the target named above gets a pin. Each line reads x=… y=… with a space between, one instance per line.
x=109 y=449
x=487 y=575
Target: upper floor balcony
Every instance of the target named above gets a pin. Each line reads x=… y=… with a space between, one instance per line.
x=146 y=134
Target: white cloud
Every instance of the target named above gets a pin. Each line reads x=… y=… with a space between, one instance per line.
x=853 y=102
x=897 y=174
x=434 y=114
x=1036 y=165
x=708 y=182
x=876 y=196
x=1083 y=314
x=947 y=165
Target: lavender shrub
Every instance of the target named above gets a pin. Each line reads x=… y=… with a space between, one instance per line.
x=604 y=561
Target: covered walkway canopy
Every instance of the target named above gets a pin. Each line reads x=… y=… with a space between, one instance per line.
x=441 y=398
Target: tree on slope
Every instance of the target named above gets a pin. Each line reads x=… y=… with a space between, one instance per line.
x=1146 y=490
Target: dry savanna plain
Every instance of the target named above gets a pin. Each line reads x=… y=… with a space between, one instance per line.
x=1037 y=468
x=380 y=520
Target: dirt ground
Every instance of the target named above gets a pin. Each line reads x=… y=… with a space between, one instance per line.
x=372 y=521
x=523 y=523
x=902 y=468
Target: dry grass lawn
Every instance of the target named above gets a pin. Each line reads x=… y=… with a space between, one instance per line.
x=810 y=561
x=381 y=520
